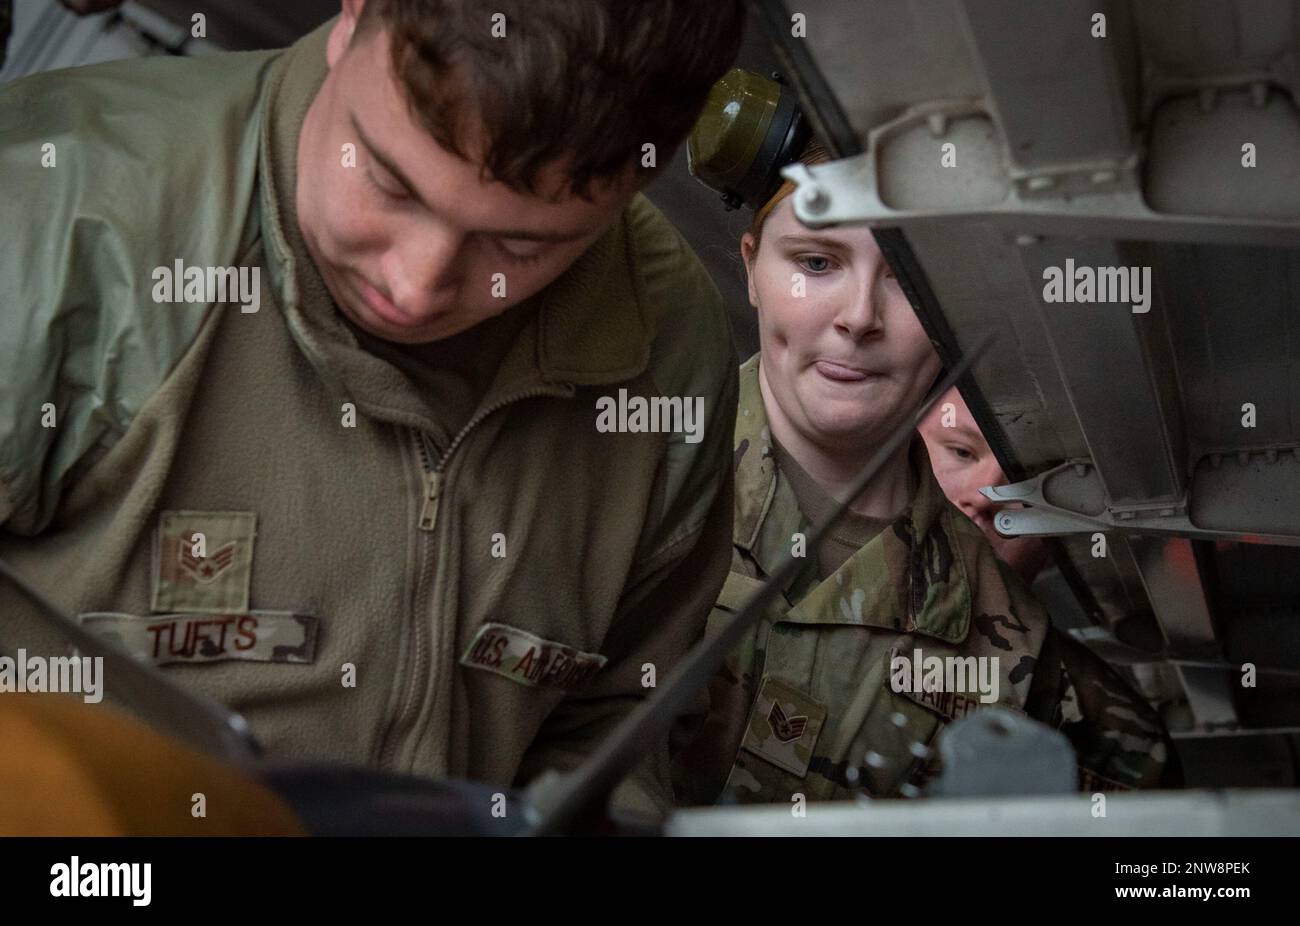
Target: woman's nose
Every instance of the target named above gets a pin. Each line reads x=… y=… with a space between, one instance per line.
x=858 y=315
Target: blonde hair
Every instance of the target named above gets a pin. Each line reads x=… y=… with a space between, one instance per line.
x=813 y=153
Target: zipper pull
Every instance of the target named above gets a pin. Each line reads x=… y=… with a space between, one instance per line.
x=432 y=489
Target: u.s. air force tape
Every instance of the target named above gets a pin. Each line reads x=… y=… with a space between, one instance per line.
x=528 y=659
x=167 y=639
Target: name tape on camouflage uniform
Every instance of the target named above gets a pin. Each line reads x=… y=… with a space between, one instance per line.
x=528 y=659
x=203 y=562
x=950 y=705
x=784 y=726
x=167 y=639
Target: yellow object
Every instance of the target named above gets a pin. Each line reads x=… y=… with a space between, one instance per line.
x=73 y=769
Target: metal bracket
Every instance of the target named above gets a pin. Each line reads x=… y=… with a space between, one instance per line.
x=1092 y=198
x=1046 y=518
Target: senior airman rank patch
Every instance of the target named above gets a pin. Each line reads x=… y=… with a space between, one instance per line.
x=203 y=562
x=529 y=660
x=167 y=639
x=783 y=726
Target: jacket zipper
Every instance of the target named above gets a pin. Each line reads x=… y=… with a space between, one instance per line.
x=433 y=472
x=432 y=479
x=432 y=482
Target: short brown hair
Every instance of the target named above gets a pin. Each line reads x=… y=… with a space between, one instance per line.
x=585 y=82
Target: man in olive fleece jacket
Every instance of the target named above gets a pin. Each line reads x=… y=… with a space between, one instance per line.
x=300 y=385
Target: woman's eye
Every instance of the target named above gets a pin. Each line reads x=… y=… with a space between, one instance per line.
x=814 y=264
x=962 y=454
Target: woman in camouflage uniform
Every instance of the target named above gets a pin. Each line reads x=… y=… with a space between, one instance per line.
x=816 y=701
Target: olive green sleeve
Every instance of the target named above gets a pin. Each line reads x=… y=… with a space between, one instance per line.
x=95 y=201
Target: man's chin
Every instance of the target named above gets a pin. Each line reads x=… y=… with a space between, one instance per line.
x=352 y=306
x=396 y=335
x=386 y=330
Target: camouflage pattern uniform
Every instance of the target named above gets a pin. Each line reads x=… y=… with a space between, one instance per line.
x=807 y=697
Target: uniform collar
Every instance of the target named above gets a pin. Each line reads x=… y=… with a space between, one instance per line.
x=592 y=325
x=935 y=598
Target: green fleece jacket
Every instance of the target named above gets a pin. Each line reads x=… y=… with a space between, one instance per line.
x=286 y=521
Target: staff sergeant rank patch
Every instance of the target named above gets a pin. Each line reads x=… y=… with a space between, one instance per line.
x=167 y=639
x=203 y=562
x=784 y=726
x=528 y=659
